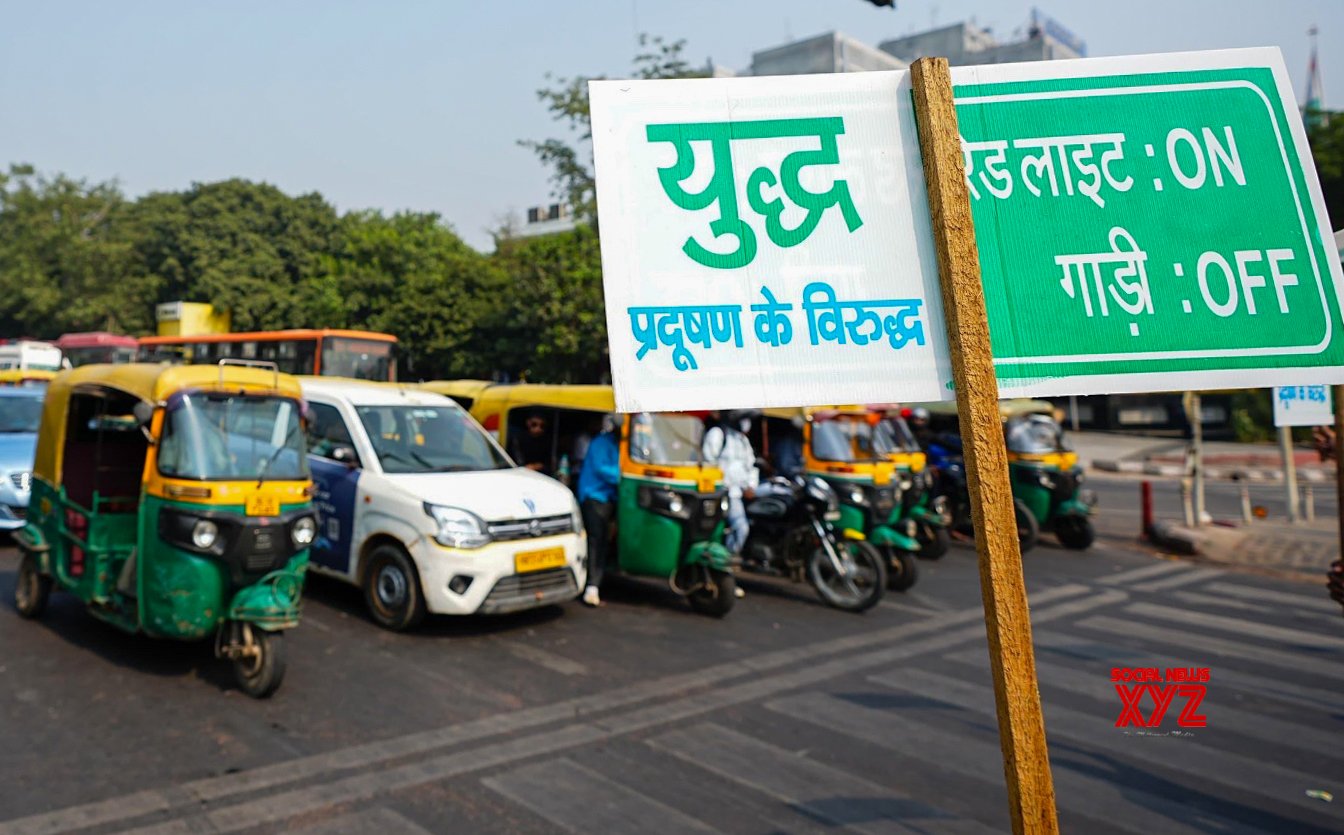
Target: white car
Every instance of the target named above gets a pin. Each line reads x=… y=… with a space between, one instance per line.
x=421 y=508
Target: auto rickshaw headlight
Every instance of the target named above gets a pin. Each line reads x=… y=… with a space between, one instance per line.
x=204 y=533
x=304 y=532
x=458 y=528
x=723 y=504
x=855 y=495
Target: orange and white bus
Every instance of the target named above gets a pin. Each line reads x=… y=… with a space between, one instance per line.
x=363 y=355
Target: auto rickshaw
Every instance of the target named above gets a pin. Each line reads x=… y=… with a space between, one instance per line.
x=1046 y=477
x=918 y=503
x=848 y=447
x=174 y=501
x=670 y=506
x=1042 y=470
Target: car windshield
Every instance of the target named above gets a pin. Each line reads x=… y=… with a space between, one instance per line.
x=666 y=439
x=210 y=436
x=850 y=440
x=437 y=438
x=1036 y=434
x=20 y=414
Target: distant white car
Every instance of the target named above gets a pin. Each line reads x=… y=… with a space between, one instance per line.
x=421 y=508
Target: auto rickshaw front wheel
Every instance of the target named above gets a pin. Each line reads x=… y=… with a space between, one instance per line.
x=32 y=588
x=715 y=596
x=258 y=660
x=1075 y=532
x=934 y=540
x=902 y=570
x=1028 y=529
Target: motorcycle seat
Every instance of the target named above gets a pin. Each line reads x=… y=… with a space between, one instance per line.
x=767 y=507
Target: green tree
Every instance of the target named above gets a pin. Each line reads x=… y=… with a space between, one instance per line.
x=65 y=263
x=1325 y=134
x=245 y=247
x=554 y=327
x=411 y=275
x=570 y=159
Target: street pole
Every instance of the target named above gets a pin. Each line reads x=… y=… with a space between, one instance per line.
x=1073 y=411
x=1289 y=471
x=1197 y=420
x=1026 y=762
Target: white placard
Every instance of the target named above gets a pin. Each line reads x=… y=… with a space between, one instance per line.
x=1303 y=406
x=766 y=242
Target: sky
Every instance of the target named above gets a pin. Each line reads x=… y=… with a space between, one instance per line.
x=420 y=105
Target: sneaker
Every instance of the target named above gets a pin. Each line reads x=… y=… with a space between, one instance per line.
x=590 y=597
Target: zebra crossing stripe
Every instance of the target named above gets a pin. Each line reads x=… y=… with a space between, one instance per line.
x=1183 y=579
x=979 y=757
x=1168 y=637
x=1144 y=573
x=821 y=791
x=1233 y=771
x=579 y=799
x=1297 y=637
x=1319 y=602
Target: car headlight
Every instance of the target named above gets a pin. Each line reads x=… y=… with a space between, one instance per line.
x=576 y=518
x=204 y=533
x=458 y=528
x=303 y=532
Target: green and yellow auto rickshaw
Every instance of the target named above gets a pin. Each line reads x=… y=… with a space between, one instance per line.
x=670 y=506
x=848 y=446
x=1046 y=478
x=917 y=501
x=174 y=501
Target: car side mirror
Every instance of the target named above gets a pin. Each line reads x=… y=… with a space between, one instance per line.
x=345 y=455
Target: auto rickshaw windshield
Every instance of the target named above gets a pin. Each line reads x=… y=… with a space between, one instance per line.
x=902 y=439
x=666 y=439
x=212 y=436
x=1036 y=434
x=851 y=440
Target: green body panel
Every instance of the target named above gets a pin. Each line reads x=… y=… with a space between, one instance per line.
x=1039 y=500
x=710 y=553
x=647 y=544
x=1073 y=507
x=852 y=519
x=884 y=536
x=178 y=594
x=272 y=602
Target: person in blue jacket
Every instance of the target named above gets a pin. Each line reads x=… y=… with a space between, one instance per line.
x=598 y=480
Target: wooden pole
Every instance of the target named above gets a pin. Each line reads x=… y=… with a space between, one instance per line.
x=1026 y=762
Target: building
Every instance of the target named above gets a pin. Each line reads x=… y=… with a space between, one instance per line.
x=546 y=220
x=830 y=52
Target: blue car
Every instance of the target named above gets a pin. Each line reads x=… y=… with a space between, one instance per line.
x=20 y=414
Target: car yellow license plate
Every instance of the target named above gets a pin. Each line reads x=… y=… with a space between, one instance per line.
x=260 y=504
x=525 y=561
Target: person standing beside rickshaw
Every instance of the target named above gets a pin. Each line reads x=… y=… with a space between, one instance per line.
x=726 y=446
x=599 y=477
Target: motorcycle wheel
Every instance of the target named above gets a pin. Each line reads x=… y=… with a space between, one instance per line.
x=934 y=540
x=1028 y=530
x=1075 y=532
x=902 y=570
x=716 y=597
x=861 y=589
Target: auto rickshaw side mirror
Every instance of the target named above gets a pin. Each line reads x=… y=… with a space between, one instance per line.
x=345 y=455
x=144 y=413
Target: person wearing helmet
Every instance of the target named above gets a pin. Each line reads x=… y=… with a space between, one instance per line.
x=918 y=421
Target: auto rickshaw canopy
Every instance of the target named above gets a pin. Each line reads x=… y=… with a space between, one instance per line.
x=149 y=383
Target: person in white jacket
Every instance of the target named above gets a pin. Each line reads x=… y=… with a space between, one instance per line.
x=726 y=446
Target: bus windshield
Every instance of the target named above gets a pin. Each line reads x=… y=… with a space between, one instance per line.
x=219 y=437
x=362 y=359
x=429 y=439
x=666 y=439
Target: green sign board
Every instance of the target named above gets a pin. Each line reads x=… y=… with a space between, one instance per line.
x=1149 y=223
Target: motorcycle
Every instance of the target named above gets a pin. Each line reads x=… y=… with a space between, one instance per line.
x=793 y=534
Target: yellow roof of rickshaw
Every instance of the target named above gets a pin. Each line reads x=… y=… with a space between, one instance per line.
x=591 y=398
x=470 y=389
x=1011 y=408
x=151 y=383
x=14 y=376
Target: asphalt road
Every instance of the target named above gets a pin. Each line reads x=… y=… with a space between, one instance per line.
x=641 y=716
